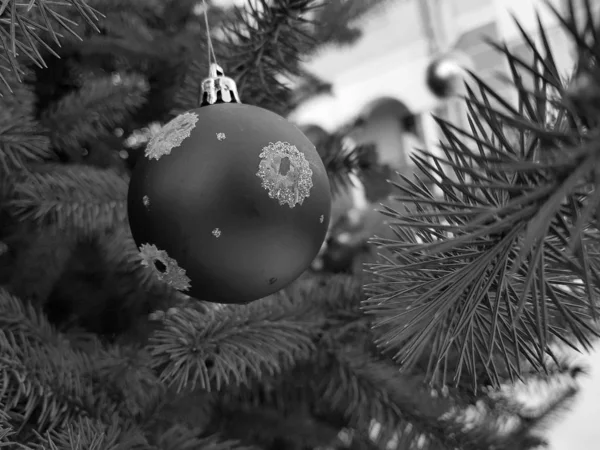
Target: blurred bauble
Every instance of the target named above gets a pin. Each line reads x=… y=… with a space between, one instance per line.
x=444 y=76
x=231 y=202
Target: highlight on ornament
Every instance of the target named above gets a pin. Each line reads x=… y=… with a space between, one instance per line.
x=232 y=202
x=445 y=74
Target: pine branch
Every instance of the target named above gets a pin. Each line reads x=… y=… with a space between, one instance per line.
x=78 y=198
x=228 y=346
x=179 y=437
x=366 y=389
x=335 y=20
x=7 y=433
x=123 y=259
x=39 y=264
x=266 y=426
x=502 y=264
x=340 y=161
x=362 y=386
x=269 y=39
x=94 y=111
x=44 y=382
x=91 y=434
x=25 y=26
x=16 y=97
x=22 y=142
x=23 y=319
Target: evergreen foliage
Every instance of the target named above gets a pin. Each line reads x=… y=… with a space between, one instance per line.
x=462 y=308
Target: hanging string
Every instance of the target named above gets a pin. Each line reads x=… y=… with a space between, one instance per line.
x=211 y=50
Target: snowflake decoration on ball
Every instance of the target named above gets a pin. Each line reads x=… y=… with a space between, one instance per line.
x=171 y=135
x=285 y=173
x=170 y=272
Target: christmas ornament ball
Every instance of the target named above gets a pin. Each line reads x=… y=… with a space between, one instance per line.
x=443 y=76
x=230 y=204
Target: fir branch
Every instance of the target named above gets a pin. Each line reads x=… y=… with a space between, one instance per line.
x=266 y=425
x=85 y=433
x=7 y=432
x=93 y=111
x=340 y=161
x=124 y=373
x=366 y=389
x=123 y=259
x=22 y=142
x=69 y=377
x=44 y=385
x=268 y=38
x=24 y=319
x=364 y=386
x=181 y=438
x=71 y=197
x=336 y=19
x=24 y=25
x=39 y=264
x=16 y=98
x=488 y=268
x=228 y=346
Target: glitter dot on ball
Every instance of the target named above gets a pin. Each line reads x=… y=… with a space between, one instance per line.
x=220 y=136
x=322 y=218
x=171 y=135
x=216 y=232
x=146 y=201
x=164 y=267
x=285 y=173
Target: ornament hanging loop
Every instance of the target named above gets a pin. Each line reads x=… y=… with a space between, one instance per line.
x=218 y=88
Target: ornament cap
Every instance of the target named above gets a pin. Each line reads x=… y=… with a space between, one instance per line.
x=218 y=88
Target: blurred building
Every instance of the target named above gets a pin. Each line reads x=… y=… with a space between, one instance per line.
x=380 y=82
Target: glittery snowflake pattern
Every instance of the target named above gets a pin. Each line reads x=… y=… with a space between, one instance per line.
x=285 y=173
x=216 y=232
x=146 y=201
x=221 y=136
x=171 y=135
x=165 y=268
x=322 y=218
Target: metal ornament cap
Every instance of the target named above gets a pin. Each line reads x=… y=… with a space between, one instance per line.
x=218 y=88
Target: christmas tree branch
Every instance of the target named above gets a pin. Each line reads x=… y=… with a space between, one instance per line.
x=257 y=34
x=24 y=26
x=268 y=38
x=179 y=437
x=93 y=111
x=82 y=199
x=123 y=260
x=362 y=385
x=46 y=383
x=501 y=263
x=88 y=433
x=229 y=345
x=16 y=98
x=22 y=142
x=366 y=389
x=39 y=264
